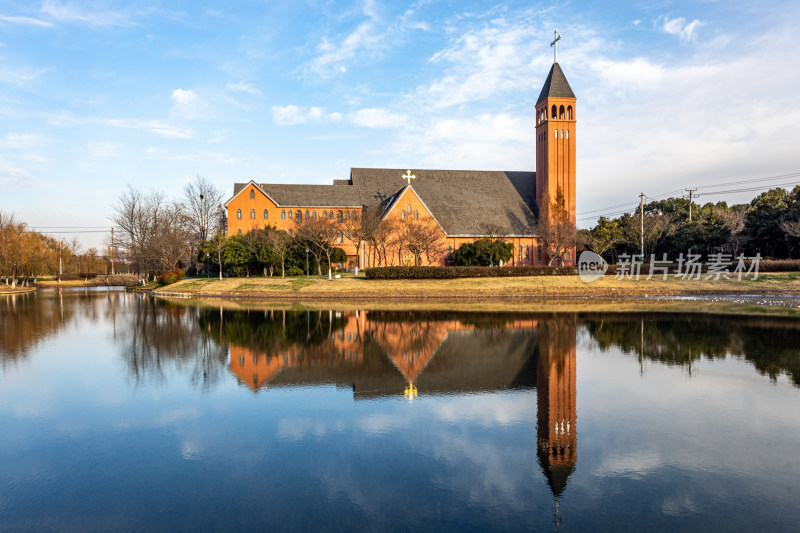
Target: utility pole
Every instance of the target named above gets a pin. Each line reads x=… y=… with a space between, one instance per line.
x=60 y=271
x=112 y=251
x=690 y=191
x=641 y=217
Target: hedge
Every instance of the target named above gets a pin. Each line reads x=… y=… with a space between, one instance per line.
x=450 y=272
x=168 y=278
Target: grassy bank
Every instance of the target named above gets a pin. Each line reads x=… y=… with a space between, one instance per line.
x=8 y=289
x=350 y=287
x=97 y=281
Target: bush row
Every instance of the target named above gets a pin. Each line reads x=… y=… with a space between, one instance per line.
x=170 y=277
x=450 y=272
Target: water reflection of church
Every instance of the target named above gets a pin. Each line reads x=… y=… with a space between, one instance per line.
x=384 y=354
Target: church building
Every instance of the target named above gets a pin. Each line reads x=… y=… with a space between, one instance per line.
x=462 y=205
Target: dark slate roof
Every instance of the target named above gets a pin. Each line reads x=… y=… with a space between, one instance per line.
x=556 y=85
x=291 y=195
x=460 y=200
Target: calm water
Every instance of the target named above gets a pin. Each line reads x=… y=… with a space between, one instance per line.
x=119 y=412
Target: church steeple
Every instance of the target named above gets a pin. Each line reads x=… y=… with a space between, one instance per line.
x=555 y=142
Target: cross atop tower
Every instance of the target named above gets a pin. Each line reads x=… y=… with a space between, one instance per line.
x=554 y=44
x=408 y=177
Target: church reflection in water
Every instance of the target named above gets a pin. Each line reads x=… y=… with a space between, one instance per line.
x=394 y=354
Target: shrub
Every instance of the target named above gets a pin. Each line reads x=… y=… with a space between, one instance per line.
x=167 y=278
x=437 y=272
x=294 y=272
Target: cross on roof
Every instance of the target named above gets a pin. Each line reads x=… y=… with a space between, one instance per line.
x=554 y=44
x=409 y=176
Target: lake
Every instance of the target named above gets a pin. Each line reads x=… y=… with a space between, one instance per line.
x=122 y=412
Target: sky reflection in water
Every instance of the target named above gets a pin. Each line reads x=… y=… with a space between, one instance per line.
x=120 y=412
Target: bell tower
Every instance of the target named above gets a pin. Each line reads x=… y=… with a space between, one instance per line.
x=555 y=139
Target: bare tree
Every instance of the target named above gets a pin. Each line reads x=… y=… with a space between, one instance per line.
x=382 y=239
x=733 y=220
x=657 y=227
x=281 y=243
x=320 y=234
x=359 y=228
x=554 y=228
x=421 y=237
x=200 y=201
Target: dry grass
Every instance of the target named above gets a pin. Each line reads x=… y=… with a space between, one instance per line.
x=116 y=280
x=8 y=289
x=787 y=283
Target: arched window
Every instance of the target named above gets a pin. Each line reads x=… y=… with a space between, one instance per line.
x=238 y=213
x=353 y=215
x=348 y=233
x=313 y=213
x=567 y=134
x=556 y=132
x=402 y=215
x=553 y=112
x=347 y=215
x=339 y=216
x=290 y=231
x=330 y=234
x=520 y=253
x=266 y=213
x=416 y=215
x=561 y=112
x=562 y=134
x=527 y=254
x=239 y=232
x=330 y=214
x=569 y=113
x=283 y=214
x=409 y=209
x=339 y=237
x=252 y=213
x=290 y=214
x=306 y=214
x=298 y=216
x=539 y=253
x=252 y=193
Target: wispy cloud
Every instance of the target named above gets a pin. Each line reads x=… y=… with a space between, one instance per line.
x=686 y=31
x=159 y=127
x=372 y=117
x=243 y=87
x=288 y=115
x=10 y=176
x=28 y=21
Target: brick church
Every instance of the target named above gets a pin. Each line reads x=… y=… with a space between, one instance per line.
x=461 y=204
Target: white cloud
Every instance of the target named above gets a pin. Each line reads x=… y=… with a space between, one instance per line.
x=188 y=105
x=686 y=31
x=73 y=14
x=158 y=127
x=243 y=87
x=10 y=176
x=372 y=117
x=103 y=148
x=25 y=20
x=21 y=140
x=291 y=114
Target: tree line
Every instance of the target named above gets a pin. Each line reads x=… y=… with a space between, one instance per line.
x=26 y=254
x=769 y=225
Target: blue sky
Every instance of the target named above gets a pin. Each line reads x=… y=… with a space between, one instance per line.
x=97 y=95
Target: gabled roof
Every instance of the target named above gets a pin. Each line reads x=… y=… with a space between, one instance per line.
x=289 y=195
x=556 y=85
x=460 y=200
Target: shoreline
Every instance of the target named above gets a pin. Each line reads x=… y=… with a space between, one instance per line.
x=774 y=294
